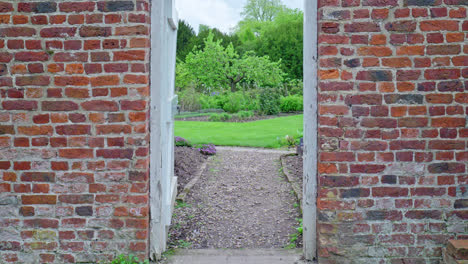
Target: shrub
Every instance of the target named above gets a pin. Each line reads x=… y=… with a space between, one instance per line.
x=207 y=149
x=189 y=100
x=182 y=142
x=242 y=115
x=292 y=103
x=235 y=102
x=219 y=117
x=213 y=101
x=269 y=101
x=288 y=141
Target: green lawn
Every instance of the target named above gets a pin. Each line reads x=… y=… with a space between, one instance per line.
x=263 y=133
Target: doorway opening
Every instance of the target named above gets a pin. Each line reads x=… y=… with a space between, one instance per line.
x=163 y=109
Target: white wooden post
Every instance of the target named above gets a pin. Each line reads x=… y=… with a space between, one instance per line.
x=310 y=130
x=162 y=183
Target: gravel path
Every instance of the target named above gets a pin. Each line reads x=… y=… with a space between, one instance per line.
x=241 y=201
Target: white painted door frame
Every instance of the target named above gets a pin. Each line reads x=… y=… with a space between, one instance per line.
x=310 y=130
x=162 y=79
x=163 y=184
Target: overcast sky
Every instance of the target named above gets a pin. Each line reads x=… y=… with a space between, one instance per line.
x=222 y=14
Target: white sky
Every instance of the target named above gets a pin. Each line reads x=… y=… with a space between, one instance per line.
x=222 y=14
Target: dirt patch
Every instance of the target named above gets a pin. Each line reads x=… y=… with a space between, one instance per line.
x=187 y=162
x=242 y=200
x=293 y=164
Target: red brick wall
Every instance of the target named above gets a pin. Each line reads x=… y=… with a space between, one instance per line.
x=393 y=133
x=73 y=130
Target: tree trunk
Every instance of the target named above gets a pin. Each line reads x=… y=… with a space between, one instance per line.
x=233 y=87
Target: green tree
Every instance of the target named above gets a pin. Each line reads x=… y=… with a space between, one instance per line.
x=217 y=67
x=282 y=39
x=262 y=10
x=185 y=39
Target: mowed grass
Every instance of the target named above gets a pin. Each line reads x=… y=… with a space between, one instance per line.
x=262 y=133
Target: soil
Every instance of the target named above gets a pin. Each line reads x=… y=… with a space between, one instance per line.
x=187 y=162
x=236 y=120
x=242 y=200
x=295 y=167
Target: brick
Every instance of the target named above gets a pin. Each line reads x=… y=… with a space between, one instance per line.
x=379 y=122
x=77 y=6
x=39 y=7
x=339 y=181
x=133 y=31
x=423 y=214
x=115 y=153
x=17 y=32
x=71 y=80
x=446 y=144
x=76 y=153
x=61 y=106
x=413 y=122
x=439 y=25
x=20 y=105
x=73 y=130
x=76 y=199
x=362 y=27
x=58 y=32
x=401 y=26
x=375 y=51
x=421 y=2
x=105 y=80
x=446 y=168
x=375 y=75
x=40 y=199
x=115 y=6
x=99 y=105
x=93 y=31
x=32 y=80
x=379 y=2
x=443 y=50
x=389 y=192
x=38 y=177
x=448 y=122
x=132 y=55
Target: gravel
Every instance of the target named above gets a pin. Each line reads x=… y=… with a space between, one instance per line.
x=242 y=200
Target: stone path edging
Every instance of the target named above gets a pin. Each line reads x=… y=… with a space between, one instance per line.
x=181 y=196
x=294 y=184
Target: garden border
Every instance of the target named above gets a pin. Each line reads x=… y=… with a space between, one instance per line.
x=295 y=186
x=192 y=182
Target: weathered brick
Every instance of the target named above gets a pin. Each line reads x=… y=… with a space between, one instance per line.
x=59 y=106
x=115 y=6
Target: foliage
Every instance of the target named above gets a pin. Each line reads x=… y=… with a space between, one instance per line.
x=185 y=39
x=287 y=141
x=262 y=133
x=182 y=142
x=189 y=100
x=293 y=238
x=292 y=103
x=242 y=115
x=223 y=117
x=217 y=67
x=184 y=77
x=262 y=10
x=181 y=204
x=269 y=101
x=130 y=259
x=220 y=117
x=282 y=39
x=226 y=39
x=207 y=149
